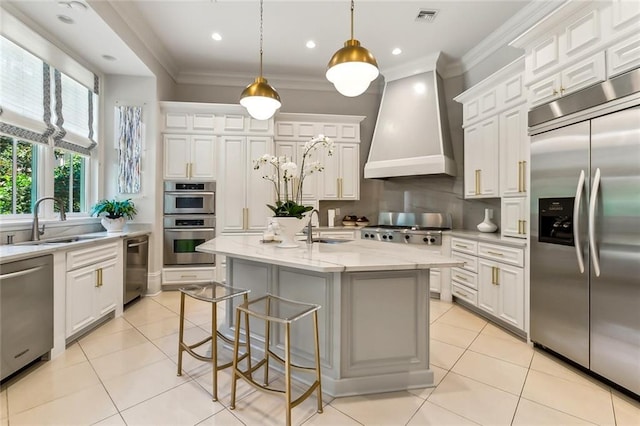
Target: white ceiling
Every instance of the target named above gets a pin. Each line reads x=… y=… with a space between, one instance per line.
x=179 y=33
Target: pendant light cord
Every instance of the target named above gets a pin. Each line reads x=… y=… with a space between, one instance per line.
x=352 y=7
x=261 y=38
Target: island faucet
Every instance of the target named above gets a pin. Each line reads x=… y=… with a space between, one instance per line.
x=309 y=226
x=35 y=226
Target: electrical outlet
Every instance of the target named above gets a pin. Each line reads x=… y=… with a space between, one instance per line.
x=337 y=212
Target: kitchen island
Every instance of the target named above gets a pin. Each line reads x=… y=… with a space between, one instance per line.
x=374 y=320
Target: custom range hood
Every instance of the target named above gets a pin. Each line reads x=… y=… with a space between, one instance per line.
x=411 y=135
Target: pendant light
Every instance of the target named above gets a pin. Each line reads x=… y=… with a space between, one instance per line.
x=259 y=98
x=352 y=68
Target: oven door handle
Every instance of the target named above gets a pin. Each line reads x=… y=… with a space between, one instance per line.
x=189 y=193
x=189 y=229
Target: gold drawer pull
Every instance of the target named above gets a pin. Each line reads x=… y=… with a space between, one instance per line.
x=495 y=253
x=461 y=277
x=461 y=246
x=460 y=294
x=188 y=276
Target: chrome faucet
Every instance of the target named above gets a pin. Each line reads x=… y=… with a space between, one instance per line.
x=35 y=226
x=309 y=226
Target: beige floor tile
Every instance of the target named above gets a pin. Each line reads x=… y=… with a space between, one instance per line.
x=72 y=356
x=475 y=401
x=515 y=352
x=431 y=414
x=224 y=385
x=169 y=344
x=330 y=417
x=495 y=331
x=132 y=388
x=443 y=355
x=145 y=314
x=170 y=299
x=4 y=421
x=586 y=402
x=80 y=408
x=549 y=364
x=127 y=360
x=164 y=327
x=462 y=318
x=627 y=410
x=530 y=413
x=186 y=404
x=114 y=325
x=438 y=375
x=43 y=385
x=394 y=408
x=115 y=420
x=491 y=371
x=95 y=347
x=437 y=308
x=222 y=418
x=456 y=336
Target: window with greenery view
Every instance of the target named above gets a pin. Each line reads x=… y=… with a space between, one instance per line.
x=69 y=180
x=18 y=163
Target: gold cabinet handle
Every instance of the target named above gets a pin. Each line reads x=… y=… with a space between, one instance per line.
x=245 y=218
x=493 y=275
x=520 y=176
x=97 y=278
x=477 y=182
x=460 y=277
x=497 y=276
x=186 y=166
x=555 y=92
x=188 y=276
x=524 y=176
x=341 y=188
x=461 y=245
x=561 y=90
x=495 y=253
x=524 y=227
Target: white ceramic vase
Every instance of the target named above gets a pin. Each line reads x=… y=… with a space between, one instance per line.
x=113 y=225
x=487 y=225
x=288 y=227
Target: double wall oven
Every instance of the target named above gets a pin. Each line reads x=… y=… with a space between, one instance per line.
x=189 y=220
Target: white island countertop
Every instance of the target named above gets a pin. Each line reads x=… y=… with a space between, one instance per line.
x=351 y=256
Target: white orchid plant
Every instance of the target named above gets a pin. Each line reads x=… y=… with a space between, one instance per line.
x=289 y=178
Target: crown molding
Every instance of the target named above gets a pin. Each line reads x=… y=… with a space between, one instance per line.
x=418 y=66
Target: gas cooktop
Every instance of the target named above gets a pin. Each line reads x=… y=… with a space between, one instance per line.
x=408 y=228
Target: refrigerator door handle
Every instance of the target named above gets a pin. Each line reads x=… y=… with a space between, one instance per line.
x=592 y=223
x=576 y=221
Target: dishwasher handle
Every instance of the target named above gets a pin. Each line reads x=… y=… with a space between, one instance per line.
x=19 y=273
x=142 y=243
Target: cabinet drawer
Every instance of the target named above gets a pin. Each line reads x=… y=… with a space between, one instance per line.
x=339 y=235
x=464 y=293
x=464 y=246
x=470 y=262
x=187 y=275
x=465 y=278
x=509 y=255
x=89 y=255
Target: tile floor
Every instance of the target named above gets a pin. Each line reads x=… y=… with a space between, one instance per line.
x=124 y=373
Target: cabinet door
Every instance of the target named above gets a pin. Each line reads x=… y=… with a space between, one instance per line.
x=259 y=192
x=513 y=217
x=231 y=193
x=349 y=171
x=545 y=90
x=330 y=183
x=472 y=147
x=487 y=287
x=623 y=56
x=203 y=158
x=583 y=74
x=434 y=280
x=489 y=159
x=311 y=181
x=510 y=283
x=111 y=282
x=513 y=152
x=80 y=298
x=177 y=155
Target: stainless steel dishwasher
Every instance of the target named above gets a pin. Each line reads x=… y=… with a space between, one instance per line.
x=136 y=269
x=26 y=312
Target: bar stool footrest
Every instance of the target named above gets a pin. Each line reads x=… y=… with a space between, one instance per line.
x=296 y=366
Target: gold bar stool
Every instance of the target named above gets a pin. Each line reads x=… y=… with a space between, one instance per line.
x=274 y=309
x=213 y=292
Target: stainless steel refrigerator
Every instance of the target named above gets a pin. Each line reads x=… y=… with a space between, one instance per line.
x=585 y=233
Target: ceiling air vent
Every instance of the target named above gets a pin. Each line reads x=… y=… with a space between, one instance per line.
x=425 y=15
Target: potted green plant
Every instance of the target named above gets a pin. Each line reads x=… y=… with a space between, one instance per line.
x=114 y=213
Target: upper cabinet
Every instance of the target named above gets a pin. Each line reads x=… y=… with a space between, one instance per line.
x=340 y=179
x=580 y=44
x=190 y=157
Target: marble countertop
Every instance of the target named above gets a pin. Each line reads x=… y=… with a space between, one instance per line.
x=351 y=256
x=489 y=237
x=12 y=252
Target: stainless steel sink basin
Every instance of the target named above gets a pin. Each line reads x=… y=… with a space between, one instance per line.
x=59 y=240
x=330 y=240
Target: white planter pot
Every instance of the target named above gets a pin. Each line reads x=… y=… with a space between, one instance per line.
x=113 y=225
x=288 y=227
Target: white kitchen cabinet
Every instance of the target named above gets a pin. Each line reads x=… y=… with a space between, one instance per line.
x=435 y=283
x=302 y=127
x=514 y=214
x=179 y=121
x=341 y=176
x=243 y=193
x=188 y=274
x=623 y=56
x=481 y=159
x=514 y=152
x=293 y=150
x=189 y=157
x=93 y=285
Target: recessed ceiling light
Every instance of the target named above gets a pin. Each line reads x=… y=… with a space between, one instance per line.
x=396 y=51
x=216 y=36
x=311 y=44
x=109 y=58
x=65 y=19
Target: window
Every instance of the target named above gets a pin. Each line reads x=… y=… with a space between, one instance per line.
x=69 y=177
x=18 y=163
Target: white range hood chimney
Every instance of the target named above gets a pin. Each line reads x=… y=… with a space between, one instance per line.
x=411 y=136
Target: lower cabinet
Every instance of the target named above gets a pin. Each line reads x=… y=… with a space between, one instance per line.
x=94 y=278
x=491 y=279
x=434 y=280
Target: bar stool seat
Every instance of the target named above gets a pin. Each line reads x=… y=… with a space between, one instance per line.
x=213 y=293
x=274 y=309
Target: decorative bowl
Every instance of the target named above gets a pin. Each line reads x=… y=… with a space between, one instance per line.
x=349 y=223
x=362 y=221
